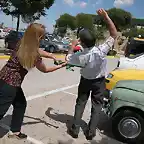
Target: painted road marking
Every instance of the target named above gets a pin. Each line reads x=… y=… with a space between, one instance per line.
x=4 y=57
x=76 y=94
x=69 y=93
x=7 y=56
x=50 y=92
x=56 y=55
x=30 y=139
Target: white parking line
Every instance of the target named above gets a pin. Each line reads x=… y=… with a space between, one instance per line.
x=30 y=139
x=50 y=92
x=69 y=93
x=75 y=94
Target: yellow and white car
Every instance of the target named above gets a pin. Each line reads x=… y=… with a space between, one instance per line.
x=127 y=74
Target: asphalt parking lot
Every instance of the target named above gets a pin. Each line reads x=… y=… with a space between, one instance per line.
x=51 y=100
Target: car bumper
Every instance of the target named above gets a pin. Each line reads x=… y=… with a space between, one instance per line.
x=110 y=83
x=106 y=102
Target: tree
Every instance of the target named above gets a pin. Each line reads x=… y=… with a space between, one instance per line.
x=84 y=20
x=3 y=3
x=134 y=32
x=121 y=18
x=61 y=31
x=66 y=20
x=29 y=10
x=137 y=22
x=99 y=33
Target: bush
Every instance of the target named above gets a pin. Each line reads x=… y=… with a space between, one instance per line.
x=134 y=32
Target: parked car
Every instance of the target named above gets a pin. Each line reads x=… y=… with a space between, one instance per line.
x=135 y=46
x=125 y=107
x=2 y=33
x=12 y=39
x=66 y=40
x=132 y=62
x=118 y=75
x=53 y=47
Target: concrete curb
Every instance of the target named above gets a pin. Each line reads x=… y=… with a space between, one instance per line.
x=57 y=55
x=4 y=57
x=7 y=57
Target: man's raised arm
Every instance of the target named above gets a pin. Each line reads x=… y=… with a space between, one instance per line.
x=109 y=22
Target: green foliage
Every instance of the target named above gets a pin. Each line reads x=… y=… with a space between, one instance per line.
x=99 y=32
x=84 y=20
x=61 y=31
x=139 y=22
x=134 y=32
x=66 y=20
x=29 y=10
x=28 y=7
x=122 y=19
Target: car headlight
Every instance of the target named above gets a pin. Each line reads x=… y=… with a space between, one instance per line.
x=110 y=75
x=110 y=93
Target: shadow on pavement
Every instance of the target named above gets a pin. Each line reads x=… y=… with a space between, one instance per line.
x=38 y=120
x=6 y=120
x=105 y=125
x=64 y=118
x=102 y=141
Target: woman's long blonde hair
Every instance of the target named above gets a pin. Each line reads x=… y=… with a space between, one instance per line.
x=28 y=47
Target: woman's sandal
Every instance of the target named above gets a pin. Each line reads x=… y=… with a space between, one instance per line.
x=19 y=136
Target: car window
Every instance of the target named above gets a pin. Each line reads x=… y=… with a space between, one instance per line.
x=0 y=31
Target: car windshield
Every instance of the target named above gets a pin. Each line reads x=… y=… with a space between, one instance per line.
x=135 y=48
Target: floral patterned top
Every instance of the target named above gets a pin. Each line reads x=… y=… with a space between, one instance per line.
x=13 y=73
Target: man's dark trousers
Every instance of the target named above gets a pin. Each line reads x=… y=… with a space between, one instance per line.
x=96 y=87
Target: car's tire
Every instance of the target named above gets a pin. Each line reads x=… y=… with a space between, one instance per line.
x=128 y=119
x=51 y=49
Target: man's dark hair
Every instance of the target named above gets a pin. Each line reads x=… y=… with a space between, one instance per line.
x=78 y=30
x=87 y=37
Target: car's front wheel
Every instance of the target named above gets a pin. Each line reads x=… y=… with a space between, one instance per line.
x=128 y=126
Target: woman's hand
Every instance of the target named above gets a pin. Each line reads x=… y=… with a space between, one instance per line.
x=62 y=65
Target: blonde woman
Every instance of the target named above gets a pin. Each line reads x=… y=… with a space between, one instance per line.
x=25 y=57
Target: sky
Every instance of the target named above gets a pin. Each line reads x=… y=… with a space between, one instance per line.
x=74 y=7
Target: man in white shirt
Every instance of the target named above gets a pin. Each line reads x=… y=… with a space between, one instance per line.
x=93 y=62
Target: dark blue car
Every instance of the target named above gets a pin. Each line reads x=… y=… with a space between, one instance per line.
x=12 y=39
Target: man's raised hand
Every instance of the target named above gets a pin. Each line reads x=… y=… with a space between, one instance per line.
x=102 y=12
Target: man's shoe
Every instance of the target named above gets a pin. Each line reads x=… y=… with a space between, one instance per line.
x=90 y=135
x=74 y=131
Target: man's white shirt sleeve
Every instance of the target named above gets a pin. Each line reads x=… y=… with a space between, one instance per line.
x=105 y=47
x=76 y=59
